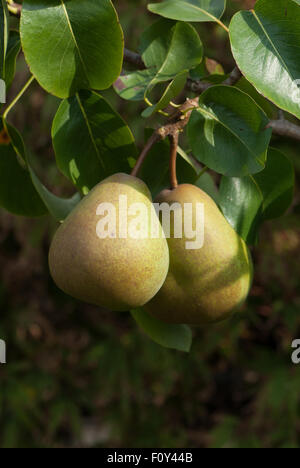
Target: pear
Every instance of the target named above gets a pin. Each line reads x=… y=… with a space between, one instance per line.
x=102 y=262
x=208 y=283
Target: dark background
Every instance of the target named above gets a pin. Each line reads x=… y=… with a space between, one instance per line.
x=80 y=377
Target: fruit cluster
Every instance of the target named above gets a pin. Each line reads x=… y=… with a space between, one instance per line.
x=173 y=283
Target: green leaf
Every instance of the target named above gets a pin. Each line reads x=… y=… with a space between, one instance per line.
x=71 y=45
x=208 y=185
x=91 y=140
x=4 y=33
x=189 y=10
x=23 y=193
x=172 y=90
x=248 y=201
x=198 y=177
x=241 y=202
x=58 y=207
x=227 y=132
x=170 y=336
x=17 y=193
x=168 y=50
x=13 y=49
x=270 y=110
x=276 y=183
x=133 y=86
x=266 y=46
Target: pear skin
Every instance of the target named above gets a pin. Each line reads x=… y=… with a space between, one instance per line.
x=117 y=273
x=207 y=284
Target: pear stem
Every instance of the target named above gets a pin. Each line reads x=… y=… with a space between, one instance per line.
x=155 y=137
x=173 y=158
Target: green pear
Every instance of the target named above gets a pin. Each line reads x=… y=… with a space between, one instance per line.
x=106 y=256
x=206 y=284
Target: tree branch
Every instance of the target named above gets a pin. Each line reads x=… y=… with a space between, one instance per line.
x=155 y=137
x=285 y=128
x=176 y=124
x=173 y=159
x=234 y=77
x=134 y=59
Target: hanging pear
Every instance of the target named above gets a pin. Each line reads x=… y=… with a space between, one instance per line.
x=96 y=258
x=206 y=284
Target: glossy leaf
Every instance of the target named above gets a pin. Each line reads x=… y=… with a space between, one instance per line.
x=227 y=132
x=247 y=201
x=189 y=10
x=70 y=45
x=13 y=49
x=266 y=46
x=168 y=50
x=276 y=183
x=198 y=177
x=270 y=110
x=170 y=336
x=21 y=192
x=241 y=201
x=91 y=140
x=133 y=86
x=58 y=207
x=17 y=193
x=172 y=90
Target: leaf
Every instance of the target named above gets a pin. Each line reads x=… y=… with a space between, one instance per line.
x=189 y=10
x=134 y=85
x=248 y=201
x=13 y=49
x=172 y=90
x=227 y=132
x=91 y=140
x=276 y=183
x=17 y=193
x=270 y=110
x=168 y=50
x=71 y=45
x=266 y=46
x=241 y=202
x=23 y=193
x=208 y=185
x=201 y=179
x=58 y=207
x=4 y=33
x=170 y=336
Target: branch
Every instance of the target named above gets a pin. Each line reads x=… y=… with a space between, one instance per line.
x=284 y=128
x=233 y=78
x=134 y=59
x=155 y=137
x=176 y=124
x=197 y=86
x=173 y=159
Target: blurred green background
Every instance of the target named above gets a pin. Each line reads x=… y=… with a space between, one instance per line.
x=80 y=377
